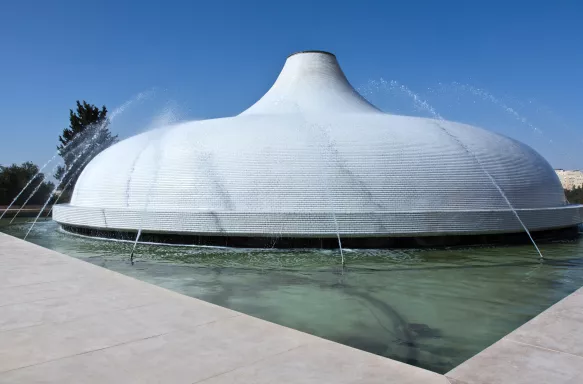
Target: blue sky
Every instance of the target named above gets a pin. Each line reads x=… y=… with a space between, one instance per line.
x=215 y=58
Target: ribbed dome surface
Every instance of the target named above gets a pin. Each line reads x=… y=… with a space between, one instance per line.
x=310 y=149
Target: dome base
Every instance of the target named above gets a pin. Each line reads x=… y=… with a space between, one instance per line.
x=569 y=233
x=318 y=225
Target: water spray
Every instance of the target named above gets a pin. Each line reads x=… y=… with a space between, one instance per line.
x=424 y=105
x=99 y=128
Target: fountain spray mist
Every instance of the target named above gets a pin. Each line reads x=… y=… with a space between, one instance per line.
x=422 y=104
x=98 y=130
x=28 y=184
x=489 y=97
x=512 y=112
x=71 y=143
x=34 y=191
x=79 y=169
x=167 y=117
x=77 y=140
x=40 y=184
x=330 y=147
x=150 y=187
x=74 y=142
x=57 y=185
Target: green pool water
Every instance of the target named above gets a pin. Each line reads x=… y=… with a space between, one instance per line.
x=429 y=308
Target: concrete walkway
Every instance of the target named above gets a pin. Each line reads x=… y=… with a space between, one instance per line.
x=63 y=320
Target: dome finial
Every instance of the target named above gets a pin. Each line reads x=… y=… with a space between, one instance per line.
x=312 y=51
x=311 y=82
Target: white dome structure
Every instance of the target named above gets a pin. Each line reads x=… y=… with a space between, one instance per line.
x=310 y=159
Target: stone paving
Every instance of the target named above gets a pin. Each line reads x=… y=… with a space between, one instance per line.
x=63 y=320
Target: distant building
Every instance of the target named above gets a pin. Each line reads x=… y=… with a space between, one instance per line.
x=570 y=179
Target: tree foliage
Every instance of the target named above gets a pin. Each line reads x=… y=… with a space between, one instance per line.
x=15 y=177
x=85 y=137
x=575 y=195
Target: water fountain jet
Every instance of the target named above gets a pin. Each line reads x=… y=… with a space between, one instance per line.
x=424 y=105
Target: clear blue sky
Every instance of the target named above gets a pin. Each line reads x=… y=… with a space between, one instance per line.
x=215 y=58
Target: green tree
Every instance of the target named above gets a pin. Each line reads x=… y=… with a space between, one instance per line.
x=15 y=177
x=575 y=195
x=87 y=135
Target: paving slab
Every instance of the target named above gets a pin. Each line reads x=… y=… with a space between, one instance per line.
x=559 y=328
x=510 y=362
x=322 y=362
x=62 y=309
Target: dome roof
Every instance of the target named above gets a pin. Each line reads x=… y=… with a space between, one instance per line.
x=313 y=156
x=311 y=82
